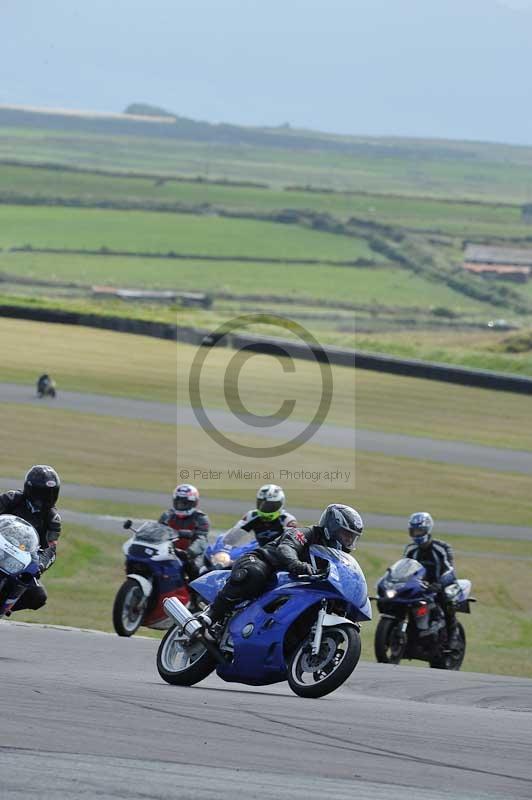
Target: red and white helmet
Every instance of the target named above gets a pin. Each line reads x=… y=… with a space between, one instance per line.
x=185 y=499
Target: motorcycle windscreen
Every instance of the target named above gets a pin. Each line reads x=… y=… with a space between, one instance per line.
x=404 y=569
x=18 y=544
x=154 y=532
x=346 y=577
x=235 y=537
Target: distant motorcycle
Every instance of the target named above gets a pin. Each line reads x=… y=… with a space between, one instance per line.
x=412 y=623
x=154 y=572
x=19 y=563
x=302 y=630
x=46 y=387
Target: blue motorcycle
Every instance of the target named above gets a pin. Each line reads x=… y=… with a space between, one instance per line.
x=412 y=623
x=303 y=630
x=19 y=562
x=224 y=551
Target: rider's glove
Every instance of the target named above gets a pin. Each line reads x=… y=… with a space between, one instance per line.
x=301 y=568
x=46 y=558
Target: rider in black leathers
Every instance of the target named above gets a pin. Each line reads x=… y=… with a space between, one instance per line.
x=339 y=526
x=269 y=519
x=36 y=504
x=438 y=559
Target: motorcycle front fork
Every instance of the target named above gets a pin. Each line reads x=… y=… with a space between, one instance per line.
x=318 y=630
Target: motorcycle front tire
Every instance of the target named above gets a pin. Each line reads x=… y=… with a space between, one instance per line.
x=453 y=660
x=350 y=638
x=124 y=595
x=385 y=630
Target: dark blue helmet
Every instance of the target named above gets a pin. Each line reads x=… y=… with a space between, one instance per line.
x=342 y=526
x=419 y=527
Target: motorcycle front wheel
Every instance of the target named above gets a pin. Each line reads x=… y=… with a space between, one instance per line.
x=316 y=676
x=452 y=659
x=389 y=643
x=129 y=608
x=183 y=663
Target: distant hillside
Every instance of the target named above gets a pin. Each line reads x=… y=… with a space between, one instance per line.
x=144 y=120
x=146 y=110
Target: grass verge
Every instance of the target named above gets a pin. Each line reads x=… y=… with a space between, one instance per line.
x=89 y=360
x=120 y=453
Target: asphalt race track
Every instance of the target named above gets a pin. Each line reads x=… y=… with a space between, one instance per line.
x=85 y=714
x=392 y=444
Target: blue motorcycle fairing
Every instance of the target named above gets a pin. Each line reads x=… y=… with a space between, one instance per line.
x=258 y=635
x=345 y=576
x=257 y=632
x=167 y=574
x=209 y=585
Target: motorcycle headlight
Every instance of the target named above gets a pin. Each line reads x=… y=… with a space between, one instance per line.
x=221 y=560
x=390 y=593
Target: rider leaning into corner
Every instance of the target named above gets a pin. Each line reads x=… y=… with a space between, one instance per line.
x=185 y=516
x=269 y=519
x=438 y=559
x=36 y=504
x=339 y=527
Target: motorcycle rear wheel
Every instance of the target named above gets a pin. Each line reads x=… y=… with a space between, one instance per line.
x=181 y=663
x=129 y=608
x=316 y=676
x=388 y=648
x=453 y=659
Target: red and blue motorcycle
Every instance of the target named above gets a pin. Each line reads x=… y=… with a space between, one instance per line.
x=154 y=572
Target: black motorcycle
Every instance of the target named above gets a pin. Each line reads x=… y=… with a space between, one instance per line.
x=413 y=623
x=46 y=387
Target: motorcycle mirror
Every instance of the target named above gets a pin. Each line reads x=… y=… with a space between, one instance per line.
x=127 y=524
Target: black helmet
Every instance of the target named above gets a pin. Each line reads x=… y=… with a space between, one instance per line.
x=342 y=526
x=41 y=486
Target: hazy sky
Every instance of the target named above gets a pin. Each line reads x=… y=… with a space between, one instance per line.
x=442 y=68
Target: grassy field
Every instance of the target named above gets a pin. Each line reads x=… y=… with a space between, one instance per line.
x=428 y=167
x=120 y=453
x=134 y=231
x=373 y=286
x=89 y=360
x=83 y=581
x=418 y=213
x=480 y=349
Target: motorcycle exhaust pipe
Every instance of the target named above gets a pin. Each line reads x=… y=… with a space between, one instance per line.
x=182 y=616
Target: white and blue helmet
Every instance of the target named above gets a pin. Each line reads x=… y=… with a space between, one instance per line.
x=420 y=526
